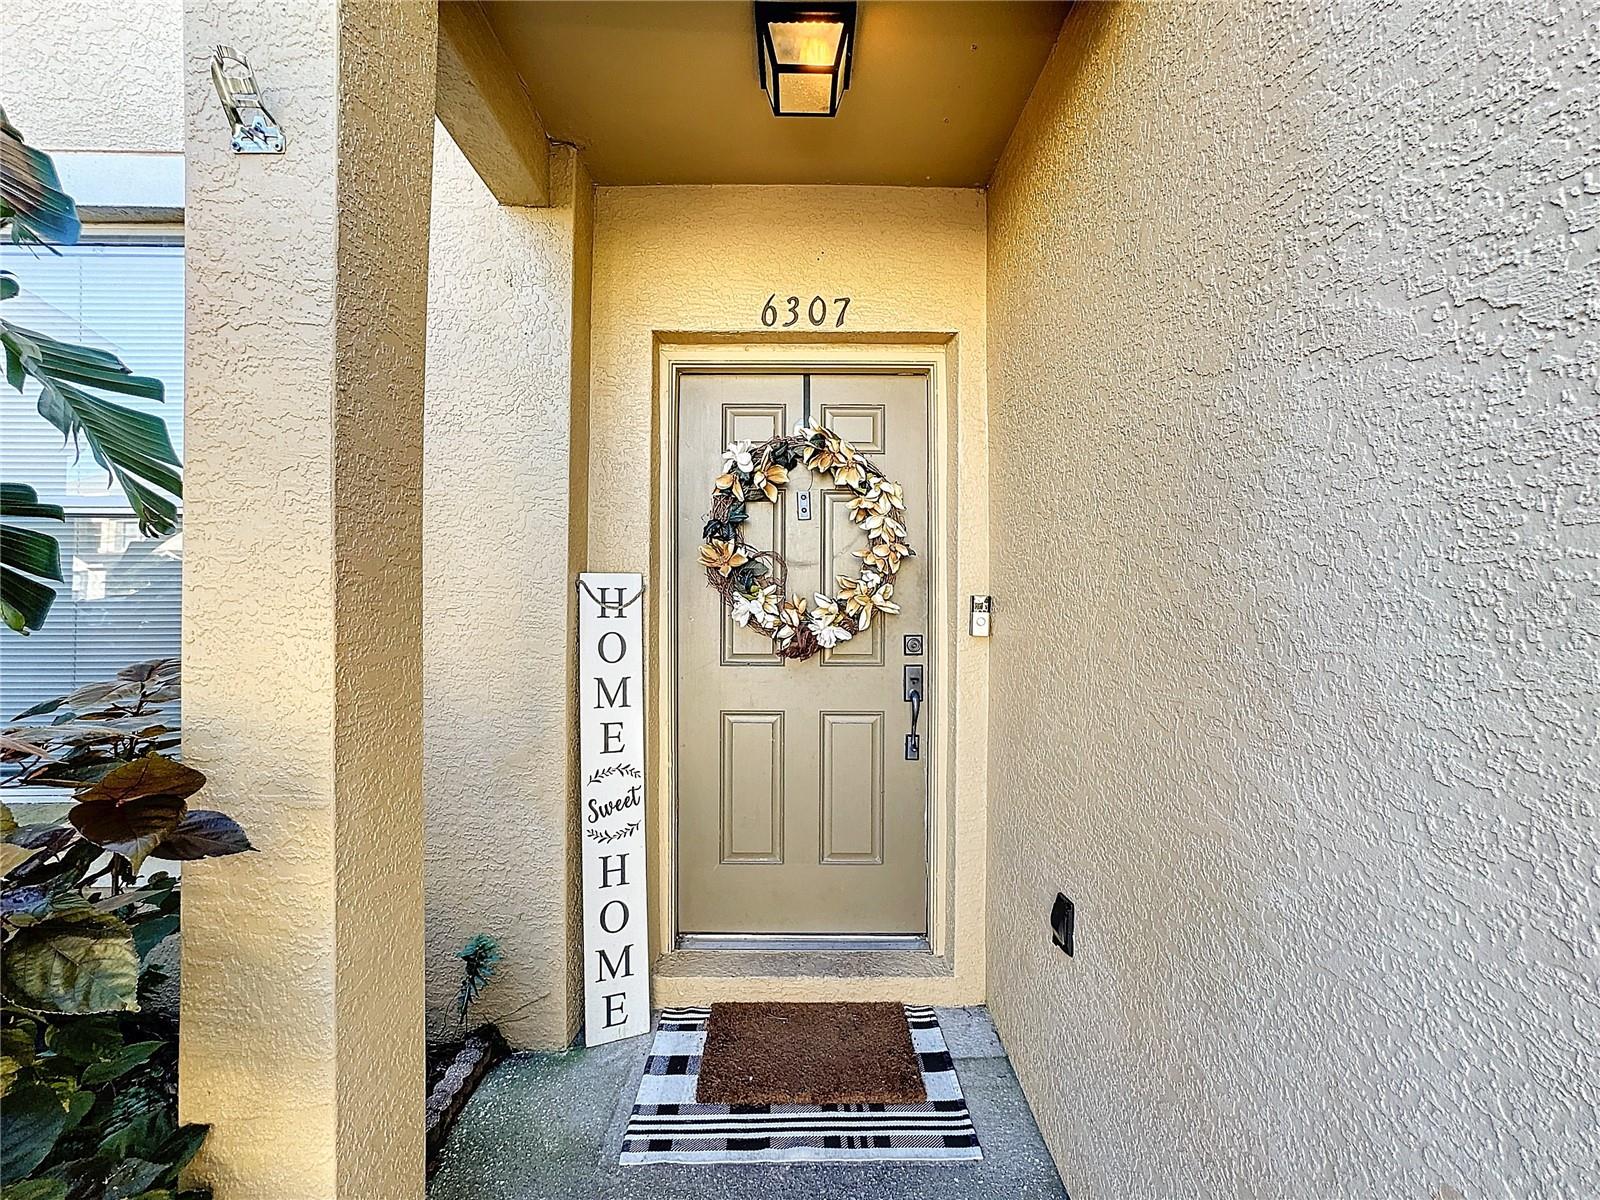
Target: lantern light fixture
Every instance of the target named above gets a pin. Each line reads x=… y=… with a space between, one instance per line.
x=805 y=52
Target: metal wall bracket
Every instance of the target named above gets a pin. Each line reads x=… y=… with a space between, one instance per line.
x=254 y=129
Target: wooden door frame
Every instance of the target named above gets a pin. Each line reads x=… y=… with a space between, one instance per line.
x=677 y=355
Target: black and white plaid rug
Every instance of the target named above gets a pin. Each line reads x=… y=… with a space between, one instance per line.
x=667 y=1126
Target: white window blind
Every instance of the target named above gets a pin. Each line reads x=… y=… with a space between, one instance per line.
x=122 y=599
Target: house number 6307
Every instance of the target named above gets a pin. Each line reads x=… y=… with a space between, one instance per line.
x=788 y=311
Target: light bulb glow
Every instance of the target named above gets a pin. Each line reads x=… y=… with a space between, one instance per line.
x=806 y=43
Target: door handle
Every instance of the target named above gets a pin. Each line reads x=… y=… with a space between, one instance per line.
x=913 y=695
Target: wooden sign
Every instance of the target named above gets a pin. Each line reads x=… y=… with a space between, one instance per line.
x=616 y=948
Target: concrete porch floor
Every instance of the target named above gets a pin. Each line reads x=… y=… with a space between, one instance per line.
x=549 y=1127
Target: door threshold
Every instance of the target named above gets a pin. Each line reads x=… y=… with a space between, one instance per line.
x=808 y=941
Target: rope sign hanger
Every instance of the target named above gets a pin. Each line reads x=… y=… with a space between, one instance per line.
x=607 y=604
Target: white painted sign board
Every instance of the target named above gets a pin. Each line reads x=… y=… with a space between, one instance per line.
x=616 y=947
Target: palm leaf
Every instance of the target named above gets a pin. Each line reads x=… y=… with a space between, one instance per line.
x=134 y=446
x=33 y=208
x=26 y=555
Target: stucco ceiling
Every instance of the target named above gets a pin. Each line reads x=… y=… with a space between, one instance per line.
x=667 y=92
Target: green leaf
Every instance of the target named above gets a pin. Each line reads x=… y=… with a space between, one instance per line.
x=12 y=857
x=34 y=1120
x=31 y=551
x=150 y=933
x=78 y=1106
x=180 y=1149
x=120 y=1064
x=20 y=500
x=19 y=1037
x=36 y=1189
x=25 y=556
x=8 y=820
x=141 y=1136
x=123 y=899
x=8 y=285
x=84 y=1040
x=131 y=1177
x=151 y=775
x=52 y=835
x=30 y=191
x=24 y=603
x=203 y=833
x=26 y=905
x=9 y=1068
x=77 y=963
x=133 y=446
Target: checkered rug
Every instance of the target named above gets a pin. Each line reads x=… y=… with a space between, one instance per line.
x=667 y=1126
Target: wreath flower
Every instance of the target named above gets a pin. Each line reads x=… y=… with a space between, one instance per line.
x=827 y=622
x=767 y=480
x=751 y=582
x=759 y=608
x=865 y=596
x=722 y=557
x=884 y=556
x=791 y=619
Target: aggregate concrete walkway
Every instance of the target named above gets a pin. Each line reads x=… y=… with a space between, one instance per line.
x=549 y=1127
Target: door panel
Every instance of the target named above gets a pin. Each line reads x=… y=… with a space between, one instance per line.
x=797 y=810
x=751 y=787
x=852 y=787
x=840 y=541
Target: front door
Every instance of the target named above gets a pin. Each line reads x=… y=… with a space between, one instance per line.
x=800 y=813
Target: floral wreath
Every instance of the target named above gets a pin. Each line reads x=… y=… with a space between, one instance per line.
x=753 y=582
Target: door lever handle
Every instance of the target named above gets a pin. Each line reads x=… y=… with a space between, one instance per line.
x=913 y=694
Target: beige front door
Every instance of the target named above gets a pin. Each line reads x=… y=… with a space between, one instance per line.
x=799 y=812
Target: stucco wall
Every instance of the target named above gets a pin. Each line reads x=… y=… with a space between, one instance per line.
x=302 y=636
x=701 y=261
x=88 y=75
x=506 y=377
x=1293 y=357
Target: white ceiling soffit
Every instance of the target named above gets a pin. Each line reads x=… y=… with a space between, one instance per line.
x=667 y=92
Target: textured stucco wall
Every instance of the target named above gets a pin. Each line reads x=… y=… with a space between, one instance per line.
x=306 y=276
x=1295 y=438
x=507 y=311
x=701 y=260
x=90 y=75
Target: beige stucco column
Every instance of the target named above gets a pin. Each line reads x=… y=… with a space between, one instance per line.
x=302 y=965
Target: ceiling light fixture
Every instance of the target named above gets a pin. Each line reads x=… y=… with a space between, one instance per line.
x=805 y=52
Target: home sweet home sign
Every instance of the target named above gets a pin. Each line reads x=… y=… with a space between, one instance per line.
x=616 y=966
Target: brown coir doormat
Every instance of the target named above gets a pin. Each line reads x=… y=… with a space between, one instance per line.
x=809 y=1054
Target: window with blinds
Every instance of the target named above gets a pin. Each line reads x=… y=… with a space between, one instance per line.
x=122 y=599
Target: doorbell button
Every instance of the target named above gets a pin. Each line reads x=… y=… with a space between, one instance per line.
x=982 y=609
